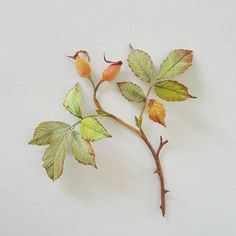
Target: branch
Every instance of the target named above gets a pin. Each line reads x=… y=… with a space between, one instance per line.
x=159 y=170
x=117 y=119
x=160 y=173
x=142 y=135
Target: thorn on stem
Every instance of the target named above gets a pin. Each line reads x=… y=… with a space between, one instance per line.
x=162 y=210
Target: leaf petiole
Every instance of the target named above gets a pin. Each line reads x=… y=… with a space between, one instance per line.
x=145 y=103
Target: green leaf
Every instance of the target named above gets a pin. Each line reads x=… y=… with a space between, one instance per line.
x=172 y=91
x=141 y=64
x=48 y=132
x=138 y=121
x=53 y=159
x=131 y=92
x=72 y=101
x=92 y=130
x=176 y=63
x=82 y=150
x=103 y=113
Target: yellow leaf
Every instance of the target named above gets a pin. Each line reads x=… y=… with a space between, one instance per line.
x=156 y=111
x=172 y=91
x=92 y=130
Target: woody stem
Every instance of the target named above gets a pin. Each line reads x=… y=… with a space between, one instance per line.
x=159 y=170
x=142 y=135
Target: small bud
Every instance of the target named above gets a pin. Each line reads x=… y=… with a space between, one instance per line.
x=112 y=71
x=82 y=66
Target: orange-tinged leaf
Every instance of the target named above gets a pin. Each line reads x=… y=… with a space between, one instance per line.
x=156 y=111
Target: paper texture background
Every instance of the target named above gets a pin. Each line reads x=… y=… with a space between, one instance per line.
x=122 y=196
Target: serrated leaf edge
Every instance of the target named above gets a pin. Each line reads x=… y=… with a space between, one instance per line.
x=167 y=58
x=77 y=87
x=119 y=83
x=128 y=60
x=182 y=85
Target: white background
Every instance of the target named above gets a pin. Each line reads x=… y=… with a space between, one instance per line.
x=122 y=196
